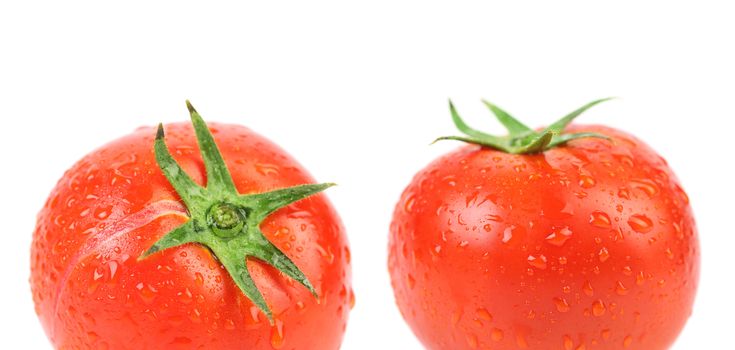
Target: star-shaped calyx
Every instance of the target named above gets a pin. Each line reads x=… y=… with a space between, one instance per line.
x=521 y=139
x=224 y=221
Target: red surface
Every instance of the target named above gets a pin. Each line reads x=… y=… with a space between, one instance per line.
x=588 y=246
x=91 y=293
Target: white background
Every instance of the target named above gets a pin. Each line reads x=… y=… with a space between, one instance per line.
x=356 y=91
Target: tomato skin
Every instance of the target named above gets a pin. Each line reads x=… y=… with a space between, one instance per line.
x=590 y=245
x=91 y=293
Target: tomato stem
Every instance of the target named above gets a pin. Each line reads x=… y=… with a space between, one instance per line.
x=521 y=139
x=226 y=222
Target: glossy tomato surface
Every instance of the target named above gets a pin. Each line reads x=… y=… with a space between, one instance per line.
x=591 y=245
x=91 y=293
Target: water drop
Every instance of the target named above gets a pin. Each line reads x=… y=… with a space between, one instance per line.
x=586 y=181
x=185 y=296
x=561 y=304
x=229 y=324
x=508 y=234
x=411 y=281
x=620 y=289
x=559 y=236
x=277 y=338
x=603 y=254
x=472 y=341
x=147 y=292
x=408 y=206
x=266 y=169
x=646 y=186
x=568 y=343
x=640 y=223
x=587 y=289
x=623 y=193
x=600 y=219
x=538 y=262
x=484 y=314
x=496 y=334
x=640 y=278
x=598 y=308
x=521 y=341
x=627 y=341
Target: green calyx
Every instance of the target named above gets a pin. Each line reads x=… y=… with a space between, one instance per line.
x=224 y=221
x=521 y=139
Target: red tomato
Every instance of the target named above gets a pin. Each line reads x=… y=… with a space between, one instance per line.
x=590 y=245
x=91 y=292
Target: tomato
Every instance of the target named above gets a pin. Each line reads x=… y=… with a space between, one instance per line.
x=585 y=244
x=94 y=288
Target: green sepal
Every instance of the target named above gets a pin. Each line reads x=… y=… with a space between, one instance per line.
x=183 y=234
x=521 y=139
x=276 y=199
x=467 y=130
x=514 y=127
x=562 y=123
x=269 y=253
x=537 y=144
x=185 y=187
x=224 y=221
x=218 y=176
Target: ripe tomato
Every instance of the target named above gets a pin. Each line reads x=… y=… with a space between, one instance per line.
x=93 y=289
x=588 y=244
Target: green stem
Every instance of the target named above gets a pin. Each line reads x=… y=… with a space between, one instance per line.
x=521 y=139
x=225 y=221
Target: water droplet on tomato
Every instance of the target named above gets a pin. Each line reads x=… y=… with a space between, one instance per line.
x=561 y=304
x=627 y=341
x=456 y=316
x=586 y=181
x=102 y=212
x=229 y=324
x=640 y=223
x=496 y=334
x=98 y=273
x=603 y=254
x=646 y=186
x=112 y=266
x=472 y=341
x=266 y=169
x=508 y=233
x=277 y=338
x=587 y=289
x=598 y=308
x=408 y=206
x=620 y=288
x=538 y=262
x=484 y=314
x=600 y=219
x=568 y=343
x=559 y=236
x=147 y=292
x=624 y=193
x=411 y=281
x=185 y=296
x=521 y=341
